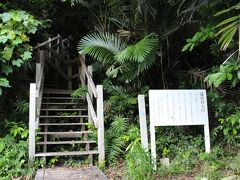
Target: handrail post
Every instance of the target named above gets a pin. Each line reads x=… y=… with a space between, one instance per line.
x=90 y=119
x=100 y=117
x=82 y=72
x=49 y=45
x=32 y=121
x=58 y=43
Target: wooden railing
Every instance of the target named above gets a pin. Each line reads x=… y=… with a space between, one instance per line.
x=51 y=49
x=94 y=93
x=36 y=89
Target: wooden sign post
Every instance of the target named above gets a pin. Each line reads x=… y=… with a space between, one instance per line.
x=178 y=108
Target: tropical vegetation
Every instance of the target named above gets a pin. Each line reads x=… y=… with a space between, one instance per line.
x=133 y=46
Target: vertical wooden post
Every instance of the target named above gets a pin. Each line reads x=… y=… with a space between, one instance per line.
x=143 y=121
x=32 y=123
x=38 y=70
x=82 y=72
x=69 y=75
x=50 y=45
x=153 y=145
x=90 y=95
x=45 y=136
x=207 y=138
x=100 y=116
x=90 y=119
x=58 y=44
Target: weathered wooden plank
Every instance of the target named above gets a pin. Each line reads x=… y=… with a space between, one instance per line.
x=71 y=116
x=45 y=42
x=62 y=133
x=61 y=124
x=100 y=116
x=143 y=121
x=32 y=123
x=89 y=77
x=66 y=153
x=59 y=103
x=68 y=173
x=49 y=109
x=91 y=111
x=66 y=142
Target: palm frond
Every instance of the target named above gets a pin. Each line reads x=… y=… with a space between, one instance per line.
x=140 y=51
x=101 y=46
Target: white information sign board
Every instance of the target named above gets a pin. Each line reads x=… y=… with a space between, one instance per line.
x=178 y=108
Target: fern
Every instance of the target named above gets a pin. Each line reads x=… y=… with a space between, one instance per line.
x=119 y=125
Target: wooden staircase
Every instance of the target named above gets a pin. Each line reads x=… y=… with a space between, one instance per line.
x=61 y=124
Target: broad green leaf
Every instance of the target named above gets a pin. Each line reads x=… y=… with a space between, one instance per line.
x=6 y=16
x=234 y=131
x=3 y=31
x=4 y=82
x=26 y=55
x=3 y=39
x=8 y=52
x=33 y=30
x=229 y=76
x=17 y=63
x=17 y=41
x=16 y=17
x=7 y=69
x=24 y=38
x=11 y=35
x=25 y=23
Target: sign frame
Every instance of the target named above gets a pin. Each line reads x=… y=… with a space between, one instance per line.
x=154 y=123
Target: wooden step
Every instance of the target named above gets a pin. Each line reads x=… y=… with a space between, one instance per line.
x=53 y=109
x=70 y=116
x=65 y=133
x=61 y=124
x=57 y=91
x=59 y=103
x=66 y=153
x=59 y=98
x=66 y=142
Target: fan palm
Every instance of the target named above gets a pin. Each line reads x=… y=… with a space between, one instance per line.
x=124 y=61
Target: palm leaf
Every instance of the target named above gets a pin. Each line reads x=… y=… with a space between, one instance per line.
x=140 y=51
x=101 y=46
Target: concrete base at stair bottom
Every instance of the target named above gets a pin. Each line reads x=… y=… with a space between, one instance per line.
x=64 y=173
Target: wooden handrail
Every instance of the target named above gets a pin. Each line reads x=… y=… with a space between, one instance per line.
x=89 y=77
x=92 y=111
x=46 y=42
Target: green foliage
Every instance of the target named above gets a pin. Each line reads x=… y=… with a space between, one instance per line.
x=16 y=26
x=228 y=26
x=13 y=153
x=53 y=161
x=122 y=61
x=118 y=137
x=229 y=129
x=22 y=106
x=201 y=36
x=139 y=165
x=229 y=71
x=79 y=93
